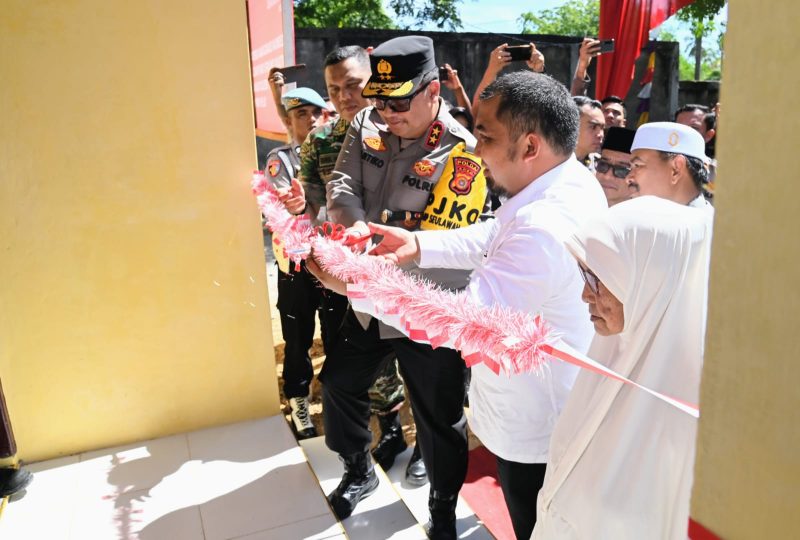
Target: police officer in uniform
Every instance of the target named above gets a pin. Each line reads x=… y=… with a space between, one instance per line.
x=408 y=160
x=298 y=292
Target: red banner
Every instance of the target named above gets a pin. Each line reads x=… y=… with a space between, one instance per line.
x=629 y=22
x=271 y=44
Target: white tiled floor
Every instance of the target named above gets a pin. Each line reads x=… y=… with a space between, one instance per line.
x=416 y=499
x=381 y=515
x=396 y=510
x=242 y=481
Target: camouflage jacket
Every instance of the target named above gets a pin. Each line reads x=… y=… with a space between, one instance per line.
x=317 y=160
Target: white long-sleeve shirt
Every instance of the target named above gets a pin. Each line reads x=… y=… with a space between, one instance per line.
x=519 y=260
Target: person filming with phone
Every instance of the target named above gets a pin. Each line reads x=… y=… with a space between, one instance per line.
x=590 y=48
x=503 y=56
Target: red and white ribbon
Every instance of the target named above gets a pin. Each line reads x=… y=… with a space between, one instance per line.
x=501 y=338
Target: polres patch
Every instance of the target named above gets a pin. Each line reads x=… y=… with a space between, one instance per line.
x=464 y=172
x=274 y=167
x=424 y=167
x=375 y=143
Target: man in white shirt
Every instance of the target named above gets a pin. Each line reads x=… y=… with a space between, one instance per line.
x=527 y=128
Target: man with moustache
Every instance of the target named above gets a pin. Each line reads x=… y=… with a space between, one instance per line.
x=614 y=164
x=527 y=127
x=346 y=73
x=405 y=160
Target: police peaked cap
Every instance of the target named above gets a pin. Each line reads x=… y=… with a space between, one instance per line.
x=399 y=67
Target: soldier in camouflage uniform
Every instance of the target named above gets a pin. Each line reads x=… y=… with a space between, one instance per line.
x=346 y=73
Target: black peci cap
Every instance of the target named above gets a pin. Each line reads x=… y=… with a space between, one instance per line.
x=399 y=67
x=619 y=139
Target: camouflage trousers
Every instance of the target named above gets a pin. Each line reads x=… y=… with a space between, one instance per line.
x=387 y=392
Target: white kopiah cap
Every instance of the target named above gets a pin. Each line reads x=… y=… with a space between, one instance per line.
x=670 y=137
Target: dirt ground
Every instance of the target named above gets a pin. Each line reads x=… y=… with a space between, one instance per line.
x=318 y=357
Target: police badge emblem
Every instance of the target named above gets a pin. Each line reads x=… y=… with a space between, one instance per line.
x=424 y=167
x=273 y=167
x=464 y=172
x=376 y=143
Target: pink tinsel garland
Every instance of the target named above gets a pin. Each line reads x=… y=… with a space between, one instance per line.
x=501 y=338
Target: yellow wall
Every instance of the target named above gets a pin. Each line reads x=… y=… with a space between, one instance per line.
x=133 y=301
x=747 y=478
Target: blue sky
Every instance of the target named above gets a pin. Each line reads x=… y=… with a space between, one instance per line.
x=502 y=16
x=499 y=16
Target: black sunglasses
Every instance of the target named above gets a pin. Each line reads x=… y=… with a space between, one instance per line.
x=398 y=105
x=620 y=171
x=590 y=279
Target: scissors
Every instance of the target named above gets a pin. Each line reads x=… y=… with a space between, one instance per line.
x=338 y=232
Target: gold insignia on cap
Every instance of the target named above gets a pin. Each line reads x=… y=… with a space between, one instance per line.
x=388 y=89
x=674 y=139
x=292 y=102
x=384 y=70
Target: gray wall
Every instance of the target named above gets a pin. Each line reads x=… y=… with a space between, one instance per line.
x=469 y=54
x=664 y=94
x=698 y=92
x=466 y=52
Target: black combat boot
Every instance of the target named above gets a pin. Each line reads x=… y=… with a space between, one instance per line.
x=391 y=442
x=13 y=480
x=442 y=522
x=416 y=473
x=359 y=481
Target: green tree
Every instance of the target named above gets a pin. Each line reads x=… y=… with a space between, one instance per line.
x=442 y=13
x=371 y=14
x=574 y=18
x=700 y=16
x=341 y=14
x=710 y=66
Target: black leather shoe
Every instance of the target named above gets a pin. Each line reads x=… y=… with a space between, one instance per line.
x=391 y=443
x=13 y=480
x=359 y=481
x=442 y=522
x=416 y=473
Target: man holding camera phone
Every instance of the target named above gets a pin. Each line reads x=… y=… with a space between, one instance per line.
x=449 y=79
x=590 y=48
x=501 y=57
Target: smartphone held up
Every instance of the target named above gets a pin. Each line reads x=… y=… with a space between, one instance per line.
x=520 y=52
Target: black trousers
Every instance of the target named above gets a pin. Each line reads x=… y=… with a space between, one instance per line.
x=435 y=383
x=521 y=483
x=300 y=297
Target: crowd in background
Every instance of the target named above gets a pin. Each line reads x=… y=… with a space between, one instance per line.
x=529 y=195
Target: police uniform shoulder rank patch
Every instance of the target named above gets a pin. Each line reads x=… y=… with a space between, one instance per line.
x=375 y=143
x=274 y=167
x=434 y=135
x=464 y=172
x=424 y=167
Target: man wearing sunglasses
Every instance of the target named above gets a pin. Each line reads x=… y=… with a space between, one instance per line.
x=347 y=71
x=527 y=127
x=404 y=155
x=614 y=164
